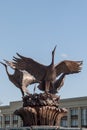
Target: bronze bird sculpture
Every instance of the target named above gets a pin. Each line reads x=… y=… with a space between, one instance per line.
x=46 y=74
x=21 y=79
x=58 y=83
x=47 y=77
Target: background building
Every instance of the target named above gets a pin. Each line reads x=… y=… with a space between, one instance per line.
x=77 y=112
x=76 y=116
x=7 y=118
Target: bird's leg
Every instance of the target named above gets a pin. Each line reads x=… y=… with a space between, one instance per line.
x=22 y=93
x=34 y=88
x=52 y=88
x=27 y=92
x=47 y=86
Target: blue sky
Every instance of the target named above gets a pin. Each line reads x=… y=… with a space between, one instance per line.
x=32 y=28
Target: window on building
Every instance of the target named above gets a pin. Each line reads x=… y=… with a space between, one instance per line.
x=84 y=117
x=0 y=121
x=64 y=121
x=74 y=122
x=21 y=122
x=7 y=125
x=74 y=111
x=74 y=117
x=7 y=121
x=7 y=117
x=0 y=118
x=15 y=120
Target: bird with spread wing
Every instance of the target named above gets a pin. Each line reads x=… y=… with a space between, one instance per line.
x=46 y=74
x=21 y=79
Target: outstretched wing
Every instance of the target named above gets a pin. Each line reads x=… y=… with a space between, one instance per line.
x=59 y=82
x=34 y=68
x=68 y=67
x=17 y=78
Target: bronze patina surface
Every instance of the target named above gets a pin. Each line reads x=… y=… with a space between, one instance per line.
x=42 y=108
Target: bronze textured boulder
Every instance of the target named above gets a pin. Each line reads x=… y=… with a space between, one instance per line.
x=42 y=99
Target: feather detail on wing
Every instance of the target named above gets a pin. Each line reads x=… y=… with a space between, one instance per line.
x=68 y=67
x=34 y=68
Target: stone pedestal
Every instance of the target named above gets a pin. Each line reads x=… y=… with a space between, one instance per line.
x=41 y=109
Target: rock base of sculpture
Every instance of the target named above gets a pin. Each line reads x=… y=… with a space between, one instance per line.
x=41 y=109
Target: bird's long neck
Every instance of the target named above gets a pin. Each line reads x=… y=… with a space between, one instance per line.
x=53 y=53
x=52 y=59
x=6 y=70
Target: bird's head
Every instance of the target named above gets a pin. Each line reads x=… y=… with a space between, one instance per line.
x=3 y=64
x=53 y=52
x=11 y=64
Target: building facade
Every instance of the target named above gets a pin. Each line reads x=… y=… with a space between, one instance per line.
x=77 y=112
x=7 y=118
x=76 y=116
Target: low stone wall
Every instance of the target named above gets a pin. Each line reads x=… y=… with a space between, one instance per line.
x=41 y=128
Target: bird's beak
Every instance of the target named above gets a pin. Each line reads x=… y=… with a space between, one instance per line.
x=2 y=63
x=54 y=49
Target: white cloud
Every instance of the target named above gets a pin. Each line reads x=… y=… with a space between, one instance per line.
x=63 y=55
